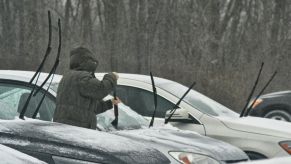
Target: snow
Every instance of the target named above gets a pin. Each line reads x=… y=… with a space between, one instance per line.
x=11 y=156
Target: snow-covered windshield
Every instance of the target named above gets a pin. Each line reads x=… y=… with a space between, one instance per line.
x=198 y=100
x=127 y=119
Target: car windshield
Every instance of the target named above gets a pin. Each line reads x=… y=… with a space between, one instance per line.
x=127 y=119
x=198 y=100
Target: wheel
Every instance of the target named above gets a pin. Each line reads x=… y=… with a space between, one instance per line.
x=278 y=114
x=255 y=156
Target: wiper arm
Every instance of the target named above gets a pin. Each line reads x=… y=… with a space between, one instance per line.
x=252 y=91
x=37 y=73
x=115 y=121
x=52 y=71
x=261 y=92
x=155 y=100
x=176 y=106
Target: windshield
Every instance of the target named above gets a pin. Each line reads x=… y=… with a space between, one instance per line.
x=127 y=119
x=198 y=100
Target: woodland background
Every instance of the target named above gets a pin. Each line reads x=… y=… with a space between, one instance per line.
x=218 y=43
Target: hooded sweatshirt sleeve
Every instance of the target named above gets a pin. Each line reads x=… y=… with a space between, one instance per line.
x=103 y=106
x=93 y=88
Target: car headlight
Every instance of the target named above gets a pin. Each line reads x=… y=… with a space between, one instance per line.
x=191 y=158
x=286 y=145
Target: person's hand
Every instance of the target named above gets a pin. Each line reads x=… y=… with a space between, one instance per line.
x=115 y=102
x=116 y=75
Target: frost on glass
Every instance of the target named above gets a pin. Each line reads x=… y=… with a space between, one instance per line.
x=128 y=119
x=12 y=100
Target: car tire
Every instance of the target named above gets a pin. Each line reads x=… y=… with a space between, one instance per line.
x=279 y=114
x=255 y=156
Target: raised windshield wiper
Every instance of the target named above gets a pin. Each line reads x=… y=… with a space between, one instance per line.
x=57 y=61
x=261 y=92
x=252 y=91
x=176 y=106
x=155 y=100
x=37 y=73
x=52 y=72
x=115 y=121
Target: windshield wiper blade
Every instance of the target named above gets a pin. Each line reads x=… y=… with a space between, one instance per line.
x=261 y=92
x=155 y=100
x=57 y=61
x=176 y=106
x=48 y=50
x=252 y=91
x=53 y=70
x=37 y=73
x=115 y=121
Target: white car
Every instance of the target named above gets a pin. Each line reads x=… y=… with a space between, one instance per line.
x=175 y=144
x=260 y=138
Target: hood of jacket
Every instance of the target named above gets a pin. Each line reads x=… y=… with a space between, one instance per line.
x=82 y=59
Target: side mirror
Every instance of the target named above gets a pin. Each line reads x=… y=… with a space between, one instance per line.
x=182 y=116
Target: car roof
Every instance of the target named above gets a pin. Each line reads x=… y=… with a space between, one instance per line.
x=26 y=76
x=141 y=78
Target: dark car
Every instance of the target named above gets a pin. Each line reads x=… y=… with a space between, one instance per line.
x=12 y=156
x=276 y=105
x=57 y=143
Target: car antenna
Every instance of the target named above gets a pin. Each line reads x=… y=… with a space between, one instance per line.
x=115 y=121
x=261 y=92
x=155 y=100
x=37 y=73
x=252 y=91
x=53 y=69
x=176 y=106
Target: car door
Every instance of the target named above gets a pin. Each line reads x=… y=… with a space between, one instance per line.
x=13 y=95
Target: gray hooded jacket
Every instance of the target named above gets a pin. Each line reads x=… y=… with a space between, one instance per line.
x=80 y=94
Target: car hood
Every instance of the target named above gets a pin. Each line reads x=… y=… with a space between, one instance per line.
x=76 y=142
x=276 y=94
x=177 y=140
x=8 y=155
x=259 y=125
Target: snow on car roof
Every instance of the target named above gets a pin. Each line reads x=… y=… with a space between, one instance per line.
x=11 y=156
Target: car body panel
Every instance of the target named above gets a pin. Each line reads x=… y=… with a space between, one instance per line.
x=74 y=142
x=273 y=101
x=12 y=156
x=234 y=130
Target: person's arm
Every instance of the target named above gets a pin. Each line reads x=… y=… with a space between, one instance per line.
x=103 y=106
x=93 y=88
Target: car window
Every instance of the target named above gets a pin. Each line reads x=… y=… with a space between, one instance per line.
x=142 y=101
x=127 y=118
x=13 y=98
